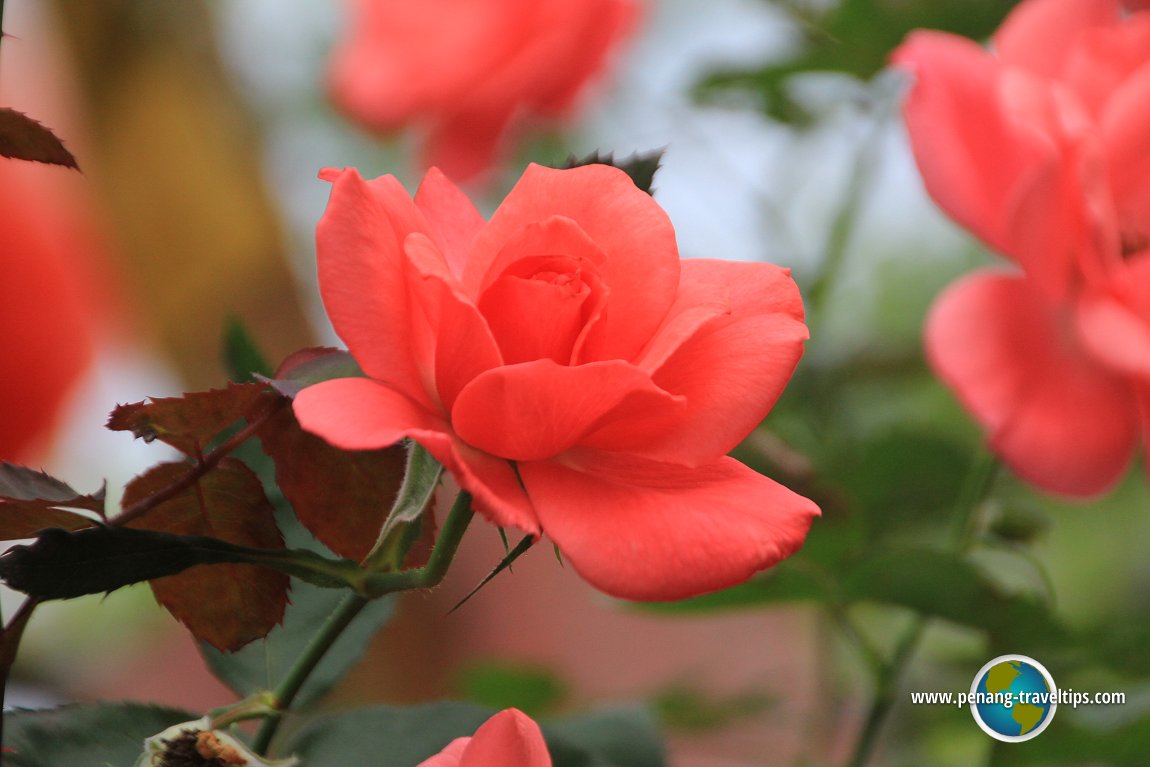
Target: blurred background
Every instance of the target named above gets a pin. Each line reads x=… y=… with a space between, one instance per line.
x=200 y=128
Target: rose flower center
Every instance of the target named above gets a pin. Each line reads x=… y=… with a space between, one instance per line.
x=539 y=306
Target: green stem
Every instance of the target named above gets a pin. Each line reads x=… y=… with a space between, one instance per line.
x=284 y=695
x=844 y=223
x=377 y=585
x=886 y=691
x=888 y=677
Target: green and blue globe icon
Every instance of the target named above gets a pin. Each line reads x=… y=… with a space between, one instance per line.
x=1014 y=698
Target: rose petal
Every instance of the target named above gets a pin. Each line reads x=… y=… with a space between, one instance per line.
x=384 y=73
x=1116 y=335
x=447 y=329
x=561 y=308
x=976 y=160
x=1038 y=33
x=363 y=276
x=452 y=216
x=1128 y=153
x=730 y=366
x=508 y=739
x=641 y=270
x=1054 y=415
x=450 y=756
x=1114 y=319
x=536 y=410
x=361 y=414
x=652 y=531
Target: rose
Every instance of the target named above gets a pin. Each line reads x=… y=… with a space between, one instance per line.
x=567 y=368
x=508 y=739
x=1040 y=149
x=468 y=72
x=1034 y=145
x=46 y=306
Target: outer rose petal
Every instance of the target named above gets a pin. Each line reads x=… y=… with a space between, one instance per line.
x=450 y=756
x=650 y=531
x=1054 y=415
x=508 y=739
x=1128 y=154
x=1114 y=319
x=452 y=216
x=535 y=410
x=976 y=159
x=361 y=414
x=1037 y=33
x=363 y=277
x=448 y=329
x=641 y=269
x=730 y=369
x=46 y=312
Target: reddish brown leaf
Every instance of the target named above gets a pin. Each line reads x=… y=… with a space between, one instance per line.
x=22 y=138
x=224 y=605
x=190 y=422
x=29 y=502
x=312 y=365
x=23 y=484
x=23 y=519
x=341 y=496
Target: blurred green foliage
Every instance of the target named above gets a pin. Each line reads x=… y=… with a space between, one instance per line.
x=853 y=37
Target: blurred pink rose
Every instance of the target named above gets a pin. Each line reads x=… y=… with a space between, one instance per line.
x=1039 y=146
x=508 y=739
x=47 y=306
x=467 y=72
x=567 y=368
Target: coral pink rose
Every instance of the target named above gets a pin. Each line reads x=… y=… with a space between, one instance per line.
x=508 y=739
x=468 y=71
x=567 y=368
x=1040 y=149
x=45 y=311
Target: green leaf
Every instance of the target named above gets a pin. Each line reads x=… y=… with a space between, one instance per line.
x=686 y=708
x=22 y=138
x=904 y=483
x=242 y=357
x=619 y=736
x=533 y=690
x=84 y=735
x=948 y=586
x=640 y=166
x=408 y=518
x=1070 y=744
x=854 y=37
x=385 y=736
x=262 y=664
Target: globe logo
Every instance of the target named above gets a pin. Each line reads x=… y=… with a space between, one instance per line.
x=1013 y=698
